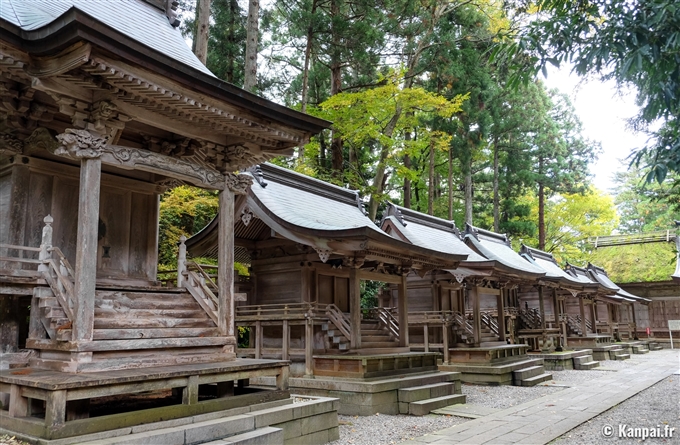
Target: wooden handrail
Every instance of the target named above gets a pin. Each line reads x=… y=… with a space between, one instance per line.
x=64 y=261
x=62 y=288
x=386 y=319
x=339 y=320
x=15 y=247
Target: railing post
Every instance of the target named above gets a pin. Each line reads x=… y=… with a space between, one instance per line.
x=445 y=341
x=285 y=346
x=426 y=338
x=46 y=244
x=181 y=260
x=258 y=339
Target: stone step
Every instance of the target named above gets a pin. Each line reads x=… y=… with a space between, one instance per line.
x=261 y=436
x=423 y=407
x=583 y=359
x=655 y=347
x=639 y=349
x=619 y=356
x=525 y=373
x=533 y=381
x=586 y=365
x=424 y=392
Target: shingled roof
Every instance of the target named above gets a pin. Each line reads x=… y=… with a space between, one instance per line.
x=553 y=272
x=496 y=246
x=136 y=43
x=323 y=216
x=600 y=275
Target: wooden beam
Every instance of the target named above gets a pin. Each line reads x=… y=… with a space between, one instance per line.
x=476 y=314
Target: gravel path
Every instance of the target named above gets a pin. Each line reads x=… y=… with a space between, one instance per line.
x=11 y=440
x=382 y=429
x=501 y=397
x=658 y=405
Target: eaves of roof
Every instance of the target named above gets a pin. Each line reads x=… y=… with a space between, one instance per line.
x=74 y=26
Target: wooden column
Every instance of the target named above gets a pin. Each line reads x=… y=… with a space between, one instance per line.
x=225 y=266
x=445 y=342
x=593 y=317
x=309 y=346
x=584 y=332
x=476 y=315
x=355 y=308
x=285 y=342
x=501 y=314
x=403 y=312
x=16 y=211
x=86 y=248
x=541 y=306
x=632 y=311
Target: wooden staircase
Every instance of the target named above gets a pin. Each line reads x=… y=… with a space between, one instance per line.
x=375 y=339
x=131 y=329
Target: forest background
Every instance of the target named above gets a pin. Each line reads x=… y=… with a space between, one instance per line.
x=437 y=105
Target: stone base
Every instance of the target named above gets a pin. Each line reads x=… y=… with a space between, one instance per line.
x=311 y=421
x=559 y=361
x=491 y=374
x=370 y=396
x=488 y=355
x=602 y=352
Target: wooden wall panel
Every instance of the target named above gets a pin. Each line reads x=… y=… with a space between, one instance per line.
x=5 y=192
x=143 y=236
x=420 y=299
x=65 y=214
x=325 y=294
x=114 y=233
x=341 y=294
x=274 y=288
x=39 y=206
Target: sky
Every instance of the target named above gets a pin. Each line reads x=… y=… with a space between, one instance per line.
x=603 y=112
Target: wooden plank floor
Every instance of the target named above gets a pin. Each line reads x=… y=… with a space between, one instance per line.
x=53 y=380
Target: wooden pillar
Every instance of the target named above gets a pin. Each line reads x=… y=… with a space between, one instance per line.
x=445 y=341
x=501 y=314
x=632 y=312
x=16 y=211
x=355 y=308
x=86 y=248
x=225 y=266
x=309 y=346
x=403 y=312
x=285 y=342
x=541 y=306
x=476 y=315
x=584 y=332
x=426 y=338
x=258 y=339
x=593 y=317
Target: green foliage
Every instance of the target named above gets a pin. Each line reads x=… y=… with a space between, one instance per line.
x=645 y=207
x=636 y=262
x=184 y=211
x=571 y=219
x=369 y=293
x=636 y=43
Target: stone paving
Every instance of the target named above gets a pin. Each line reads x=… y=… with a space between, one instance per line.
x=546 y=418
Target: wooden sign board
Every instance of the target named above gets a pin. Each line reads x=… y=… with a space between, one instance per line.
x=240 y=296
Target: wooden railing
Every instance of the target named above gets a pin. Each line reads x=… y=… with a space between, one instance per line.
x=462 y=323
x=202 y=271
x=489 y=321
x=282 y=311
x=339 y=320
x=60 y=276
x=387 y=320
x=197 y=287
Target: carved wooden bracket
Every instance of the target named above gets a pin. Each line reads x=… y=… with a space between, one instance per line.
x=237 y=183
x=246 y=215
x=79 y=144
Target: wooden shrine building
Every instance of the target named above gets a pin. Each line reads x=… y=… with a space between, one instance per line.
x=470 y=311
x=309 y=245
x=104 y=107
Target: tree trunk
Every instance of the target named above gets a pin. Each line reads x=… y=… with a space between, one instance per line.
x=379 y=179
x=252 y=29
x=468 y=194
x=336 y=85
x=231 y=63
x=496 y=198
x=407 y=181
x=541 y=217
x=450 y=185
x=202 y=30
x=308 y=56
x=430 y=183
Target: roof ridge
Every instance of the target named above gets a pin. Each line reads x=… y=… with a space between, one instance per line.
x=274 y=173
x=406 y=214
x=500 y=238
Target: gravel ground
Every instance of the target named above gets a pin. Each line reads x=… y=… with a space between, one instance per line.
x=657 y=405
x=501 y=397
x=11 y=440
x=382 y=429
